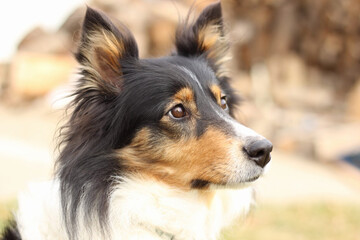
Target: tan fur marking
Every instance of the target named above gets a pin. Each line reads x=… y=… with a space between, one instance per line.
x=179 y=162
x=111 y=48
x=184 y=95
x=215 y=89
x=209 y=36
x=208 y=197
x=216 y=46
x=103 y=51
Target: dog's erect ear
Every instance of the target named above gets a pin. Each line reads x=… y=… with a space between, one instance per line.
x=204 y=37
x=103 y=46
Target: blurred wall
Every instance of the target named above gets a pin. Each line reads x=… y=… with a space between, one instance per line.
x=295 y=62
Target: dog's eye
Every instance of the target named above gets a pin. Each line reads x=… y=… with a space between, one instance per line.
x=178 y=112
x=223 y=103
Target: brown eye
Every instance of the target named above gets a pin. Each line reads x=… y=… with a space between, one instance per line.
x=178 y=112
x=223 y=103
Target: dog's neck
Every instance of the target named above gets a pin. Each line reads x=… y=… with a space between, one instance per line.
x=152 y=210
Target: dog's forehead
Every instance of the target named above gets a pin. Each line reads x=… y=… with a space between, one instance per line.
x=198 y=72
x=195 y=73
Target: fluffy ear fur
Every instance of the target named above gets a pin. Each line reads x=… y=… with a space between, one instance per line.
x=205 y=37
x=102 y=48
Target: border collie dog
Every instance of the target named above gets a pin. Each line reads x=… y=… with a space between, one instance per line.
x=151 y=149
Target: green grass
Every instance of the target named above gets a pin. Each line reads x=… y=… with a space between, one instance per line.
x=299 y=222
x=317 y=221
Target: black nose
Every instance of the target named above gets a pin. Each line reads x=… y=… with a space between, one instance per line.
x=259 y=151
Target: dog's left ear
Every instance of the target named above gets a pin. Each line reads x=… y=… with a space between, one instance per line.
x=205 y=37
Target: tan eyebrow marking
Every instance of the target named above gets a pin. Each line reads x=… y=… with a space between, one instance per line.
x=185 y=95
x=215 y=89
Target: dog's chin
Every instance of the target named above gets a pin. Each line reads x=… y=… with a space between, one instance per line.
x=245 y=183
x=252 y=179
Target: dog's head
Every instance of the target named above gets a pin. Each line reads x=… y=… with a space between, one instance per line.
x=168 y=119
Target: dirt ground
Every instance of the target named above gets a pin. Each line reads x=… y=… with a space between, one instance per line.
x=26 y=154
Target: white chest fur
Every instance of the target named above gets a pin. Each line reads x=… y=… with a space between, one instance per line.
x=139 y=209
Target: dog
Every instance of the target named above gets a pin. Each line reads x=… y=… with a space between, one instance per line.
x=151 y=149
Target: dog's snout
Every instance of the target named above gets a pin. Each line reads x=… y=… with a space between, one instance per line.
x=259 y=151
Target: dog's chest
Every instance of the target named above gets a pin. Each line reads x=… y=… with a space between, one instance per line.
x=150 y=210
x=138 y=210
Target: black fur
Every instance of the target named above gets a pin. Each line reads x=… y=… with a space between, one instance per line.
x=11 y=232
x=199 y=184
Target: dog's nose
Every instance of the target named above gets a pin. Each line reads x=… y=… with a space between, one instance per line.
x=259 y=151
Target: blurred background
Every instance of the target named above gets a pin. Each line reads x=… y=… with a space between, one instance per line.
x=295 y=62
